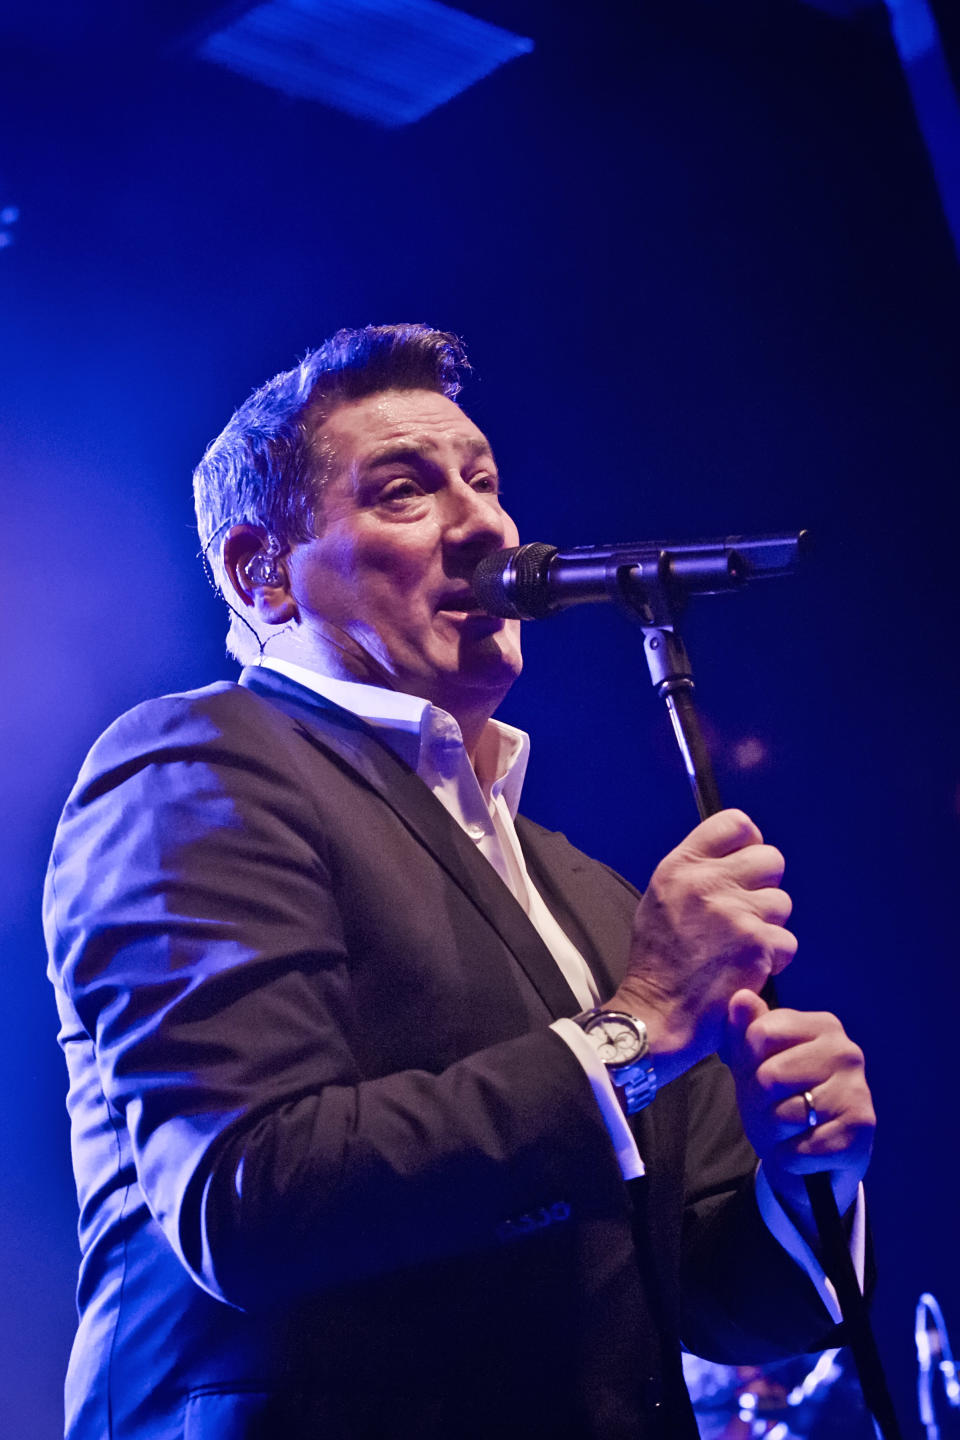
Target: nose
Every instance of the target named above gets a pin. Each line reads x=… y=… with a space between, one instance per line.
x=474 y=520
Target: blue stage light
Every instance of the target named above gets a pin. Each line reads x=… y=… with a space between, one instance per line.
x=390 y=61
x=9 y=215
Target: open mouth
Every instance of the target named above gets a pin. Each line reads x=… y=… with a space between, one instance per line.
x=464 y=602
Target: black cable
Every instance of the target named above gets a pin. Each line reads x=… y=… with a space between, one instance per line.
x=853 y=1307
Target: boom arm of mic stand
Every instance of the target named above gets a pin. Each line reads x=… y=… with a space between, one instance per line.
x=672 y=677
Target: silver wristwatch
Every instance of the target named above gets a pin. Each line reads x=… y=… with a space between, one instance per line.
x=621 y=1043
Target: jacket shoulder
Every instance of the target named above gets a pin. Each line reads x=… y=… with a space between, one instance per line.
x=223 y=705
x=223 y=720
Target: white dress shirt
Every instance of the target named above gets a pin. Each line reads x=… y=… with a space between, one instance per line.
x=484 y=803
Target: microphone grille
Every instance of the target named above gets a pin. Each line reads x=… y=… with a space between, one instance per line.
x=512 y=583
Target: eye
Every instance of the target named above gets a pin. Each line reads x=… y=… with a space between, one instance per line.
x=486 y=484
x=402 y=489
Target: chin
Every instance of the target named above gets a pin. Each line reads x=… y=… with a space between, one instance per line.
x=493 y=672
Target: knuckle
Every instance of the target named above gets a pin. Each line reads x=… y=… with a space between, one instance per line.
x=767 y=1078
x=781 y=905
x=786 y=946
x=738 y=825
x=775 y=860
x=764 y=1028
x=729 y=829
x=747 y=933
x=782 y=959
x=827 y=1029
x=864 y=1120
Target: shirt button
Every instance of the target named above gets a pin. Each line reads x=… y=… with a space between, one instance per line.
x=476 y=832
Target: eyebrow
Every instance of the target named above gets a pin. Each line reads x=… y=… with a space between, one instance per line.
x=403 y=452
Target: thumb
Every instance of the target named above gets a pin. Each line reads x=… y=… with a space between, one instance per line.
x=744 y=1007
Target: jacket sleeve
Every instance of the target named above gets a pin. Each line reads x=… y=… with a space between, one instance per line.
x=192 y=922
x=745 y=1300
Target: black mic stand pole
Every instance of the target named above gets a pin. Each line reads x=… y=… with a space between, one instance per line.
x=657 y=607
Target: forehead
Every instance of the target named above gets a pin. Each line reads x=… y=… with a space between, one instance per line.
x=417 y=421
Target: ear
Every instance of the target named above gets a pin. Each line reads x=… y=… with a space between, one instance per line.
x=268 y=597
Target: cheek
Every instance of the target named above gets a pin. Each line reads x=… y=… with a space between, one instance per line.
x=369 y=575
x=400 y=560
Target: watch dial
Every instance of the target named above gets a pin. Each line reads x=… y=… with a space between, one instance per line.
x=617 y=1042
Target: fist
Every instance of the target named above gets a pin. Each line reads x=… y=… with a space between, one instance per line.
x=776 y=1056
x=712 y=922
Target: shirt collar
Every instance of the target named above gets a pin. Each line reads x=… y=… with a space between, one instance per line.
x=421 y=733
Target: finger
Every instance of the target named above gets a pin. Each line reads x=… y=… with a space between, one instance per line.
x=836 y=1080
x=745 y=1007
x=835 y=1098
x=722 y=834
x=772 y=905
x=833 y=1145
x=790 y=1030
x=756 y=866
x=833 y=1103
x=782 y=945
x=804 y=1111
x=843 y=1093
x=756 y=950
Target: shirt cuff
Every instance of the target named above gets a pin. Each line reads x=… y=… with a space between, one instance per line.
x=782 y=1229
x=628 y=1156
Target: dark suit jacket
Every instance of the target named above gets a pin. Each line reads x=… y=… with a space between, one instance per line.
x=337 y=1177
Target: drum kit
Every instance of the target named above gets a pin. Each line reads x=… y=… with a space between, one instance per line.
x=817 y=1397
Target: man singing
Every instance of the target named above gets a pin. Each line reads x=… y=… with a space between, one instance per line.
x=394 y=1115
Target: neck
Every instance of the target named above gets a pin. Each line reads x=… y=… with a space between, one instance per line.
x=342 y=659
x=472 y=729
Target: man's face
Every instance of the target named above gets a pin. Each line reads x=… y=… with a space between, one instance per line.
x=409 y=506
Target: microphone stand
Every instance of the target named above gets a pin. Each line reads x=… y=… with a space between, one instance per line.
x=658 y=606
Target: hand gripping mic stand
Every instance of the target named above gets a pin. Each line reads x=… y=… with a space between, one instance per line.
x=652 y=583
x=657 y=601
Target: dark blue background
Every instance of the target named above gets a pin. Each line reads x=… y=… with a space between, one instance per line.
x=700 y=265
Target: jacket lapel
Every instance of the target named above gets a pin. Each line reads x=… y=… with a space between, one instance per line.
x=350 y=743
x=563 y=877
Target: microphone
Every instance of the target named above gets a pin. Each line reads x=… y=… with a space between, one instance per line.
x=532 y=581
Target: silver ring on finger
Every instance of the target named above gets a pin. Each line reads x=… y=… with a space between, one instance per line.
x=813 y=1119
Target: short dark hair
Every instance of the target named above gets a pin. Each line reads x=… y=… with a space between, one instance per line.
x=262 y=469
